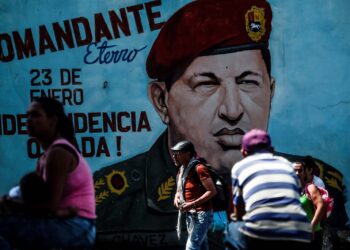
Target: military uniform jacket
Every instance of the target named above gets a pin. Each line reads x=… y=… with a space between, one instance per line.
x=134 y=200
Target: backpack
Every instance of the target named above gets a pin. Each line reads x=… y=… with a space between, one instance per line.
x=220 y=201
x=329 y=201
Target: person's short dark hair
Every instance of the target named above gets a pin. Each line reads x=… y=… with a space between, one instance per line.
x=184 y=146
x=33 y=188
x=299 y=162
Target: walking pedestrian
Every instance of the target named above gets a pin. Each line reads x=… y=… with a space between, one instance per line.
x=193 y=199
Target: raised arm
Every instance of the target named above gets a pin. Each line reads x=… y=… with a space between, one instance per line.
x=318 y=203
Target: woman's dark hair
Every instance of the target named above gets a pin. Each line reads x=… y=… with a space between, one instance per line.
x=65 y=127
x=310 y=164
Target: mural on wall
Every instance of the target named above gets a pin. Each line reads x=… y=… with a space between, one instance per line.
x=138 y=76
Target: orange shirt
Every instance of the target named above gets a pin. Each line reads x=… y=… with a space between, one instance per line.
x=194 y=190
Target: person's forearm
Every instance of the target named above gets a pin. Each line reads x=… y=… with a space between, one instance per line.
x=318 y=214
x=318 y=203
x=205 y=197
x=177 y=199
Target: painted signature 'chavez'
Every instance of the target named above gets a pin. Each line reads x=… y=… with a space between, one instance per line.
x=104 y=54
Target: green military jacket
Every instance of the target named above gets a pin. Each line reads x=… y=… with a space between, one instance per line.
x=134 y=202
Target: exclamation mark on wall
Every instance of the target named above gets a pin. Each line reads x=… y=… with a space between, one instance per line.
x=118 y=141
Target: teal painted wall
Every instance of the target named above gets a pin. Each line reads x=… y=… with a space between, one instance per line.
x=310 y=46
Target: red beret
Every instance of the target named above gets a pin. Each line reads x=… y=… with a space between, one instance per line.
x=202 y=26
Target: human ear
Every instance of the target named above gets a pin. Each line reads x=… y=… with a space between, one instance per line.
x=244 y=152
x=158 y=95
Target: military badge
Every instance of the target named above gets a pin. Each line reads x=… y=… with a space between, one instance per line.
x=255 y=23
x=100 y=196
x=165 y=189
x=117 y=182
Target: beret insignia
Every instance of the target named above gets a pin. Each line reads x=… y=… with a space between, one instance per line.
x=255 y=23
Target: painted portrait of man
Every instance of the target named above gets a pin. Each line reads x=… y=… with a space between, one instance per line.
x=138 y=76
x=210 y=71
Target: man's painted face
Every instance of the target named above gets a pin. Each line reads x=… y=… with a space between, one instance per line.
x=216 y=100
